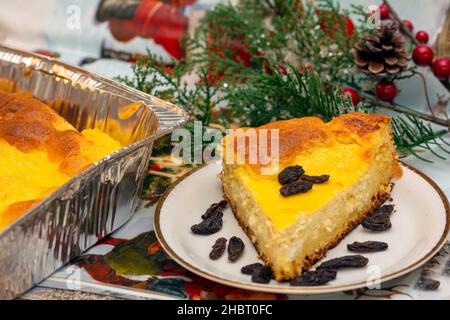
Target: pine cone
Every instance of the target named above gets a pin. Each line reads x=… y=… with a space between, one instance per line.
x=382 y=52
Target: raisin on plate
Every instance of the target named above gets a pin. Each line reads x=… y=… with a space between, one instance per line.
x=218 y=249
x=220 y=206
x=351 y=261
x=367 y=246
x=315 y=278
x=377 y=222
x=249 y=269
x=262 y=275
x=210 y=225
x=235 y=248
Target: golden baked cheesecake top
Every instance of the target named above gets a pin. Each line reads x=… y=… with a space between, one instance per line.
x=342 y=148
x=40 y=151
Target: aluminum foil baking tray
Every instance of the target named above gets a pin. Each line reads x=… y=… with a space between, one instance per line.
x=104 y=196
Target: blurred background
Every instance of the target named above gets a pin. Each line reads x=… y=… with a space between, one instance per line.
x=91 y=33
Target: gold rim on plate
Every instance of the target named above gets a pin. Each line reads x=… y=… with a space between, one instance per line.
x=299 y=290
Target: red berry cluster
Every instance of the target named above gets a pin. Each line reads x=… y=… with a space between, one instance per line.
x=422 y=55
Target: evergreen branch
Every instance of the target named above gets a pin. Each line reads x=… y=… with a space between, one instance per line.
x=285 y=94
x=444 y=142
x=404 y=110
x=411 y=133
x=249 y=59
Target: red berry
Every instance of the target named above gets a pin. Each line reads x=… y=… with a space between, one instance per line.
x=331 y=27
x=423 y=55
x=214 y=113
x=353 y=94
x=384 y=12
x=386 y=90
x=155 y=167
x=350 y=27
x=441 y=68
x=307 y=68
x=408 y=24
x=422 y=36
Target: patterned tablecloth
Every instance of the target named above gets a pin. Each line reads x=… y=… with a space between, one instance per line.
x=130 y=263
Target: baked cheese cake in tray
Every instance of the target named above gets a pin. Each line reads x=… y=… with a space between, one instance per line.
x=40 y=151
x=330 y=177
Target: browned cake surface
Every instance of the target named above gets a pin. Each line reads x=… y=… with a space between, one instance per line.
x=40 y=151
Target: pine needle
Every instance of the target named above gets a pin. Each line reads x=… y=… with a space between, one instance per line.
x=411 y=133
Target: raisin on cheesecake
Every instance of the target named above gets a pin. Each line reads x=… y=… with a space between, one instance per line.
x=347 y=165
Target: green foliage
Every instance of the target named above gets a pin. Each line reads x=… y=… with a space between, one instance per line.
x=410 y=134
x=247 y=65
x=286 y=94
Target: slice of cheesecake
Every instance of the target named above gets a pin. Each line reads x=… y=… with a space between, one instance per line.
x=292 y=232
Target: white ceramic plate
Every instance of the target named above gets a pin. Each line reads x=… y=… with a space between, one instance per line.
x=420 y=227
